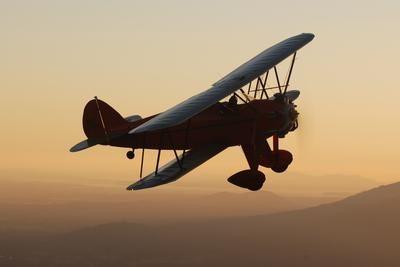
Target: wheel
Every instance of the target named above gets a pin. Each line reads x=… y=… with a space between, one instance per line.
x=249 y=179
x=281 y=161
x=279 y=167
x=130 y=154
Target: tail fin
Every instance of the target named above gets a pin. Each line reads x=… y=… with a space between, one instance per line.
x=102 y=122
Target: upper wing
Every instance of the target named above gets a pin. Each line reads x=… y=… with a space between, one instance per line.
x=172 y=171
x=227 y=85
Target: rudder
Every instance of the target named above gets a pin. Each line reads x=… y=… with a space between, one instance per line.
x=102 y=122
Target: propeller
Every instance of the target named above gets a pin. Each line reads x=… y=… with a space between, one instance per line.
x=303 y=134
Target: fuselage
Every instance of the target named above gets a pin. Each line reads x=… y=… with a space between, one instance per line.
x=221 y=123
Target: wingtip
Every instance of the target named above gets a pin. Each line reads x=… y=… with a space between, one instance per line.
x=145 y=128
x=133 y=187
x=132 y=131
x=309 y=35
x=138 y=129
x=76 y=148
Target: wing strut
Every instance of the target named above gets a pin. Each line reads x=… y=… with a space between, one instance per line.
x=141 y=162
x=290 y=72
x=159 y=154
x=173 y=148
x=238 y=96
x=186 y=140
x=178 y=160
x=257 y=83
x=248 y=90
x=261 y=84
x=264 y=91
x=277 y=79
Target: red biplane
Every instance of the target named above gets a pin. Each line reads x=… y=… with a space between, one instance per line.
x=202 y=126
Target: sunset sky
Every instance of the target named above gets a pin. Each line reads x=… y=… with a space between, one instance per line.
x=143 y=57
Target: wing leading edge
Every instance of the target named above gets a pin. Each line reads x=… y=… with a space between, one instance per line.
x=227 y=85
x=172 y=172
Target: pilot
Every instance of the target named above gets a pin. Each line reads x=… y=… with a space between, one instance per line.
x=232 y=103
x=229 y=107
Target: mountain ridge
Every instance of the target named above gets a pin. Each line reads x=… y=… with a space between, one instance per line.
x=361 y=230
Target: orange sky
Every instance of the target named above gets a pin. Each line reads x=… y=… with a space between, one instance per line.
x=145 y=57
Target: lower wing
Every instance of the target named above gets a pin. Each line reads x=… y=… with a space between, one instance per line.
x=174 y=170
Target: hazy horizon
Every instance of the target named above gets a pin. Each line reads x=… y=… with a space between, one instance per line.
x=284 y=232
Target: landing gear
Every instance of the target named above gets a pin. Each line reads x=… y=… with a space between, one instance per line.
x=281 y=160
x=259 y=153
x=250 y=179
x=279 y=168
x=278 y=160
x=130 y=154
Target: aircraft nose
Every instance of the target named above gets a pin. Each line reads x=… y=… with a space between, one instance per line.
x=293 y=114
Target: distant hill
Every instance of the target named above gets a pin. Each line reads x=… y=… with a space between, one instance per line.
x=28 y=185
x=47 y=206
x=362 y=230
x=293 y=184
x=323 y=185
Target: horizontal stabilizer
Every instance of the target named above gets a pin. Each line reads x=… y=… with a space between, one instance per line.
x=83 y=145
x=172 y=171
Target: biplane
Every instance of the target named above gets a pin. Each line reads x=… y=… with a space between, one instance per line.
x=238 y=110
